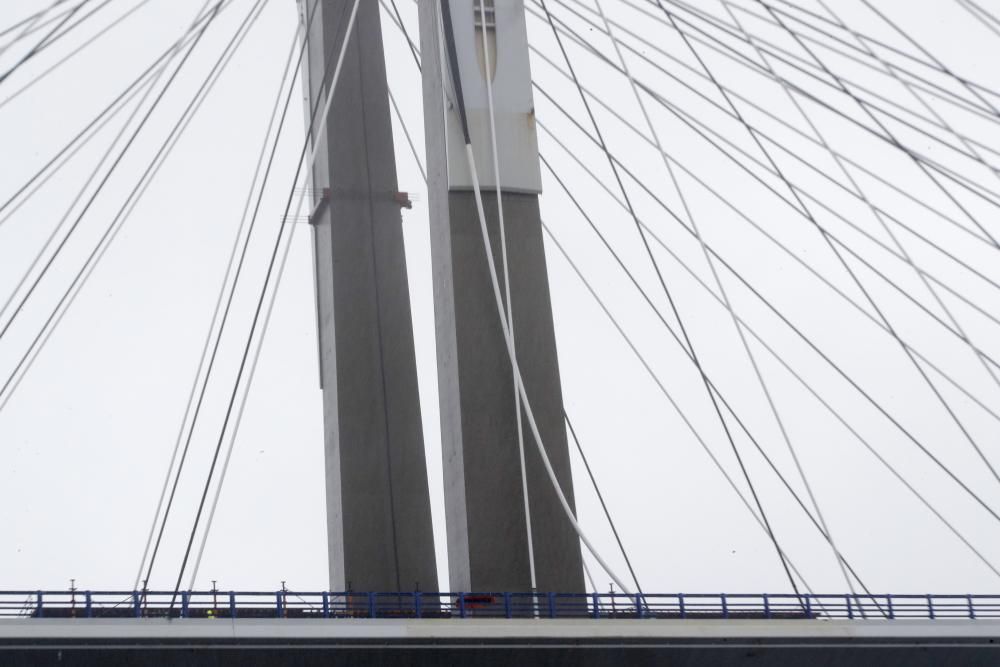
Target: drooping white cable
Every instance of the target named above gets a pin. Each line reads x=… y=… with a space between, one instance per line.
x=722 y=291
x=506 y=280
x=267 y=315
x=519 y=380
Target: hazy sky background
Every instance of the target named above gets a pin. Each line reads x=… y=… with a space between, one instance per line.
x=88 y=434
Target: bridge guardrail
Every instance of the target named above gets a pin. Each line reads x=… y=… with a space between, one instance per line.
x=429 y=605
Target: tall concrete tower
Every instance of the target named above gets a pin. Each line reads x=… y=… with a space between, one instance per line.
x=487 y=532
x=378 y=507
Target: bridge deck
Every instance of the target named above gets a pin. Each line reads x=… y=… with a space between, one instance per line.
x=583 y=642
x=291 y=628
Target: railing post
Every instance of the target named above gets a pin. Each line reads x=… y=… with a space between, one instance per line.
x=850 y=609
x=930 y=606
x=888 y=606
x=185 y=602
x=88 y=604
x=972 y=607
x=594 y=600
x=326 y=604
x=767 y=607
x=680 y=605
x=552 y=605
x=137 y=604
x=638 y=605
x=38 y=605
x=416 y=603
x=809 y=606
x=372 y=611
x=232 y=604
x=725 y=607
x=461 y=605
x=278 y=611
x=507 y=611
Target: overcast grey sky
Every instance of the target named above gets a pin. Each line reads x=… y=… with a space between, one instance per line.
x=88 y=433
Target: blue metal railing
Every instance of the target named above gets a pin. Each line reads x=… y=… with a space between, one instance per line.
x=330 y=605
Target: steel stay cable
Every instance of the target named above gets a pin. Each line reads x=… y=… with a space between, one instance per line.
x=243 y=401
x=691 y=123
x=807 y=164
x=398 y=19
x=923 y=161
x=936 y=66
x=811 y=70
x=117 y=161
x=36 y=22
x=805 y=211
x=89 y=131
x=725 y=303
x=663 y=390
x=119 y=220
x=168 y=53
x=802 y=336
x=680 y=413
x=85 y=141
x=41 y=21
x=33 y=18
x=68 y=29
x=677 y=111
x=942 y=93
x=218 y=304
x=447 y=36
x=32 y=22
x=774 y=354
x=604 y=505
x=763 y=232
x=267 y=279
x=41 y=44
x=794 y=374
x=968 y=86
x=908 y=85
x=223 y=322
x=920 y=274
x=832 y=211
x=782 y=55
x=673 y=306
x=406 y=132
x=71 y=54
x=566 y=29
x=933 y=64
x=971 y=186
x=753 y=40
x=990 y=21
x=840 y=243
x=692 y=220
x=150 y=87
x=937 y=393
